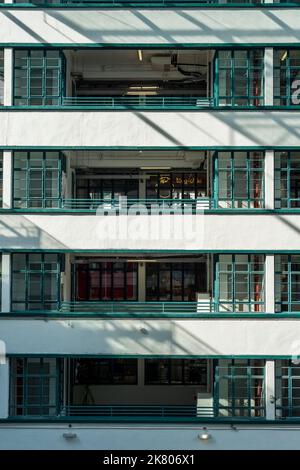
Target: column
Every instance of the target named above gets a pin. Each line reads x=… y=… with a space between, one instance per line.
x=66 y=278
x=8 y=75
x=7 y=179
x=268 y=76
x=270 y=389
x=4 y=389
x=141 y=282
x=6 y=283
x=270 y=284
x=269 y=179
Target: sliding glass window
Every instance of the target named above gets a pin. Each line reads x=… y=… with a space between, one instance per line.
x=177 y=372
x=287 y=180
x=239 y=283
x=287 y=283
x=239 y=180
x=287 y=77
x=38 y=77
x=36 y=281
x=240 y=388
x=38 y=179
x=177 y=184
x=104 y=371
x=239 y=77
x=106 y=185
x=175 y=281
x=104 y=281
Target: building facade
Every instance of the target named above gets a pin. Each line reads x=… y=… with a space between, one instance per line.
x=150 y=247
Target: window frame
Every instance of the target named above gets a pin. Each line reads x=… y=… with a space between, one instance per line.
x=42 y=377
x=231 y=305
x=231 y=377
x=232 y=98
x=27 y=272
x=205 y=388
x=43 y=99
x=231 y=172
x=28 y=201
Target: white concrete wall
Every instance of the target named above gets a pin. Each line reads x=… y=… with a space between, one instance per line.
x=160 y=26
x=138 y=129
x=172 y=437
x=215 y=337
x=208 y=232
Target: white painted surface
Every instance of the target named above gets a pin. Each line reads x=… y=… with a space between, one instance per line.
x=148 y=437
x=8 y=76
x=270 y=283
x=200 y=337
x=136 y=129
x=4 y=389
x=209 y=232
x=268 y=72
x=6 y=282
x=270 y=389
x=269 y=179
x=7 y=179
x=161 y=26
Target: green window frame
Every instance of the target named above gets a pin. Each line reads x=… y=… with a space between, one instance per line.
x=36 y=281
x=287 y=389
x=177 y=372
x=38 y=179
x=35 y=386
x=39 y=77
x=240 y=388
x=1 y=77
x=239 y=77
x=287 y=180
x=287 y=283
x=239 y=180
x=286 y=71
x=239 y=283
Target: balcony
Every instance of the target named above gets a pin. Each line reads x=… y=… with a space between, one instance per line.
x=137 y=390
x=154 y=286
x=142 y=79
x=148 y=182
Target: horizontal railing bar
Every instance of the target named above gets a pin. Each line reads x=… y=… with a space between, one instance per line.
x=138 y=101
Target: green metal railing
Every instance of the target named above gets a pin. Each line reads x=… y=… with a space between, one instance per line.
x=137 y=308
x=152 y=3
x=132 y=102
x=137 y=205
x=139 y=411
